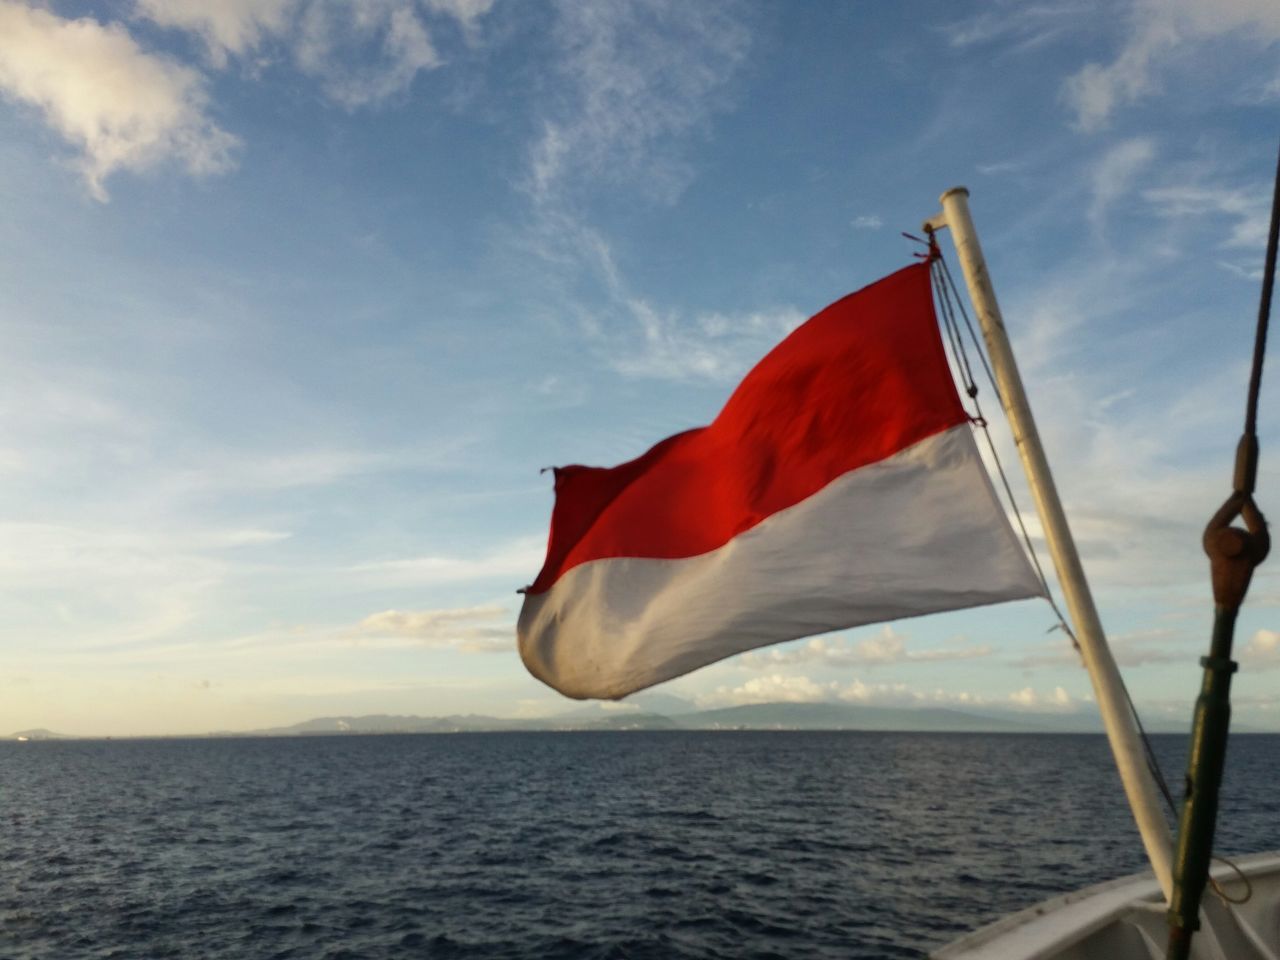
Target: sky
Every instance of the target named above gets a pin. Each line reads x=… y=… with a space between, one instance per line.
x=298 y=296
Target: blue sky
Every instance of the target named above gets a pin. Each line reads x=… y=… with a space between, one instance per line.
x=297 y=296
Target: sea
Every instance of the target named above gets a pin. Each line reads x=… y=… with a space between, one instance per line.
x=618 y=844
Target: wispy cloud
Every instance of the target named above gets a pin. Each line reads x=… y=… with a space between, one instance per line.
x=361 y=52
x=1025 y=26
x=1244 y=210
x=635 y=78
x=635 y=83
x=868 y=222
x=517 y=560
x=121 y=107
x=227 y=28
x=713 y=347
x=1159 y=28
x=1115 y=173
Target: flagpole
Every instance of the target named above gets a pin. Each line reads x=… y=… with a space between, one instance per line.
x=1113 y=703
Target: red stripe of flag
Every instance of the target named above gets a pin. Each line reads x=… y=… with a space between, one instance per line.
x=860 y=381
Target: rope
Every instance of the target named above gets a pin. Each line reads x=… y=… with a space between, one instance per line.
x=1244 y=878
x=973 y=336
x=949 y=300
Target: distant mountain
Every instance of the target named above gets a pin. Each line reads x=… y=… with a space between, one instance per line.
x=843 y=716
x=664 y=712
x=38 y=733
x=635 y=721
x=388 y=723
x=765 y=716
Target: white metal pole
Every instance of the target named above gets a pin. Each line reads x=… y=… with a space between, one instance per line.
x=1108 y=688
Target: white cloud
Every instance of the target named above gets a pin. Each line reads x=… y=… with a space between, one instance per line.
x=1056 y=700
x=885 y=647
x=227 y=27
x=487 y=629
x=124 y=108
x=336 y=38
x=775 y=688
x=361 y=51
x=1159 y=29
x=121 y=107
x=790 y=688
x=868 y=222
x=1263 y=650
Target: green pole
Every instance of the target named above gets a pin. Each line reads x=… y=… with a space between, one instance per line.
x=1233 y=555
x=1205 y=763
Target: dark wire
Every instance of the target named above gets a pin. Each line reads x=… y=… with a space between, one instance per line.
x=1264 y=313
x=977 y=344
x=949 y=300
x=948 y=303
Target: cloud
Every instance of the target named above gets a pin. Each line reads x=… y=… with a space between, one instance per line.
x=517 y=560
x=634 y=77
x=1263 y=650
x=487 y=629
x=868 y=222
x=713 y=347
x=1029 y=699
x=645 y=341
x=775 y=688
x=633 y=83
x=1025 y=25
x=361 y=51
x=91 y=586
x=1159 y=29
x=1129 y=650
x=1114 y=175
x=788 y=688
x=121 y=107
x=885 y=647
x=124 y=108
x=233 y=27
x=1246 y=210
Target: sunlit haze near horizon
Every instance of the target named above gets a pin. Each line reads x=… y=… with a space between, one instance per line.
x=298 y=296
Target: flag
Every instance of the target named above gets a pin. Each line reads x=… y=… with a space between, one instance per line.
x=839 y=486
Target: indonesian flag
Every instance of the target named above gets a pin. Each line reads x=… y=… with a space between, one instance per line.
x=839 y=486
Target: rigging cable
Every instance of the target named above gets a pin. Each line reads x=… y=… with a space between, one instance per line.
x=950 y=302
x=971 y=388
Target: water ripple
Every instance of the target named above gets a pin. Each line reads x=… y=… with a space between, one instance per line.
x=577 y=846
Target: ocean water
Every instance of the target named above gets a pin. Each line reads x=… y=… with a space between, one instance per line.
x=566 y=845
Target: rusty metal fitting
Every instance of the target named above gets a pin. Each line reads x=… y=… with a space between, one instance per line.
x=1233 y=552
